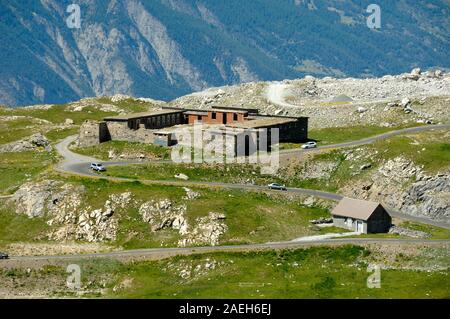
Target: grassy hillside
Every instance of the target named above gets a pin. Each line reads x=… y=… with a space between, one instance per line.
x=318 y=272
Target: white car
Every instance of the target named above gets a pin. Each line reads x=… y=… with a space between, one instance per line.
x=97 y=167
x=309 y=145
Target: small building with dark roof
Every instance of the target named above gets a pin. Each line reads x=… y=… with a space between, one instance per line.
x=361 y=216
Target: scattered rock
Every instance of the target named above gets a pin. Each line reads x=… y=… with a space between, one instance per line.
x=162 y=214
x=402 y=185
x=34 y=142
x=405 y=102
x=190 y=194
x=120 y=97
x=408 y=232
x=322 y=220
x=361 y=109
x=207 y=231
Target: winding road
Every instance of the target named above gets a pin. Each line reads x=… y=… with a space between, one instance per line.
x=77 y=164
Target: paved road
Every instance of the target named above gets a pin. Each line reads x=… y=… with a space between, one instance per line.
x=372 y=139
x=159 y=253
x=78 y=164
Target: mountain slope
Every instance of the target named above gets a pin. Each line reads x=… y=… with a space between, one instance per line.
x=167 y=48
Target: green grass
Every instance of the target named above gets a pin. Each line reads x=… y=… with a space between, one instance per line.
x=435 y=232
x=57 y=114
x=16 y=129
x=196 y=172
x=432 y=152
x=251 y=217
x=430 y=149
x=129 y=105
x=20 y=228
x=101 y=151
x=335 y=135
x=58 y=134
x=17 y=168
x=318 y=272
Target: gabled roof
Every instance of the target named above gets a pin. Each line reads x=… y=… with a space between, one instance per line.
x=355 y=208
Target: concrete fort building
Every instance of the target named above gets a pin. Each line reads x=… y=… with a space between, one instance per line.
x=361 y=216
x=160 y=126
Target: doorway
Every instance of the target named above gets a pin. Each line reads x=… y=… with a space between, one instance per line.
x=359 y=226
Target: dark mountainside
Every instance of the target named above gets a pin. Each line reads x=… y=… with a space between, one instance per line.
x=167 y=48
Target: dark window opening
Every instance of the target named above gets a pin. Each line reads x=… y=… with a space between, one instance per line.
x=235 y=117
x=213 y=115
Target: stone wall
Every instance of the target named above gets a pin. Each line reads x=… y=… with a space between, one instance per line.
x=119 y=131
x=92 y=133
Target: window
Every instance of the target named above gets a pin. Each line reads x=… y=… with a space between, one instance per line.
x=213 y=115
x=199 y=117
x=235 y=117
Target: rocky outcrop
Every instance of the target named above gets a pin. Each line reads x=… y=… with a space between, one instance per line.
x=35 y=199
x=190 y=194
x=318 y=169
x=202 y=231
x=429 y=196
x=34 y=142
x=163 y=214
x=68 y=217
x=207 y=231
x=402 y=185
x=408 y=232
x=92 y=225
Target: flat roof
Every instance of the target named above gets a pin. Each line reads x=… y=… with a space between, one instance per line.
x=196 y=112
x=227 y=110
x=133 y=116
x=262 y=122
x=355 y=208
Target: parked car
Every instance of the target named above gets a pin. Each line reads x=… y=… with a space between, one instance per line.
x=97 y=167
x=309 y=145
x=277 y=186
x=4 y=256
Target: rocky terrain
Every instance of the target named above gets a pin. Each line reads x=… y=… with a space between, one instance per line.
x=403 y=185
x=415 y=97
x=34 y=142
x=70 y=220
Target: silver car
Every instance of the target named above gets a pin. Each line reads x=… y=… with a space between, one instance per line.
x=98 y=167
x=309 y=145
x=277 y=186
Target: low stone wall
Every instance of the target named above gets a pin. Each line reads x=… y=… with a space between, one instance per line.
x=92 y=133
x=119 y=131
